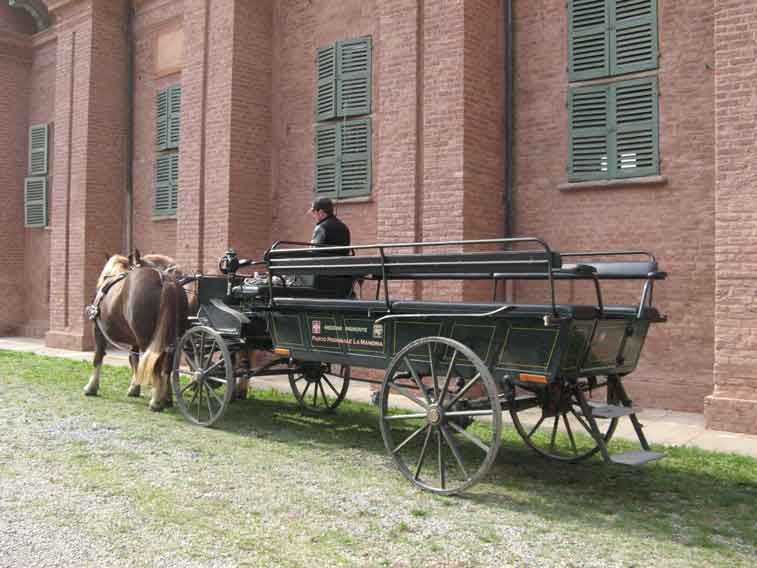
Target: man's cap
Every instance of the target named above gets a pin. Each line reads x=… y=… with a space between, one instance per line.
x=323 y=204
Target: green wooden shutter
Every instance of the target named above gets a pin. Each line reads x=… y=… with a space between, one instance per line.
x=174 y=186
x=174 y=116
x=355 y=164
x=327 y=159
x=35 y=202
x=354 y=77
x=588 y=39
x=634 y=35
x=590 y=141
x=163 y=186
x=38 y=149
x=162 y=115
x=325 y=106
x=636 y=128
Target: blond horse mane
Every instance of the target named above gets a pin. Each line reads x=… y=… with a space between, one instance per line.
x=115 y=265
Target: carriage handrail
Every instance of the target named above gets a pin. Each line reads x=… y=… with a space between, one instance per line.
x=381 y=248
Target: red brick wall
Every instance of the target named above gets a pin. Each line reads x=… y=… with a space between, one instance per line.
x=15 y=63
x=300 y=28
x=675 y=220
x=150 y=233
x=15 y=20
x=37 y=241
x=733 y=405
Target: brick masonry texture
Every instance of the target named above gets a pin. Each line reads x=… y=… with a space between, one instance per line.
x=733 y=405
x=247 y=158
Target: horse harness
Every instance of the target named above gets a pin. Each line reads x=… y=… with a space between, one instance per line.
x=93 y=310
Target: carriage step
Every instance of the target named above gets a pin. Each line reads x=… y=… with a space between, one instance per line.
x=636 y=457
x=611 y=410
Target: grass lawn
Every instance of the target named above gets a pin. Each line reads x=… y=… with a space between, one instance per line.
x=271 y=486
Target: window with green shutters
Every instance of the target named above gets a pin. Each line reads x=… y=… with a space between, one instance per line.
x=343 y=158
x=167 y=130
x=35 y=185
x=611 y=37
x=35 y=202
x=166 y=184
x=343 y=79
x=343 y=90
x=614 y=130
x=168 y=118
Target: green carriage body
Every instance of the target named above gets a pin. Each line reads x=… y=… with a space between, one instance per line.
x=526 y=358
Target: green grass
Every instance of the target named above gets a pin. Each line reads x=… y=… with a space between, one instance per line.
x=694 y=504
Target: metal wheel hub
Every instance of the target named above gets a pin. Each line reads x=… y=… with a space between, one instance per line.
x=435 y=415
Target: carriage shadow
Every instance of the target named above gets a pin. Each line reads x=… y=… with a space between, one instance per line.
x=708 y=505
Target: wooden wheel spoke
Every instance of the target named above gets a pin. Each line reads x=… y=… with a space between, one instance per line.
x=455 y=451
x=553 y=438
x=422 y=457
x=432 y=364
x=409 y=438
x=215 y=366
x=191 y=363
x=440 y=460
x=408 y=394
x=582 y=421
x=570 y=433
x=328 y=382
x=489 y=412
x=447 y=377
x=323 y=394
x=215 y=395
x=216 y=380
x=463 y=390
x=184 y=389
x=305 y=392
x=315 y=394
x=207 y=400
x=536 y=427
x=417 y=380
x=405 y=416
x=473 y=439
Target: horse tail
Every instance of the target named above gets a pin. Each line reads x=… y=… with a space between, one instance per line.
x=167 y=328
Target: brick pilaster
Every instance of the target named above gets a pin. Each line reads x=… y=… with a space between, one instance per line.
x=88 y=189
x=733 y=404
x=15 y=63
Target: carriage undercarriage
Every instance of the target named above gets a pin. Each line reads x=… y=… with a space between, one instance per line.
x=450 y=369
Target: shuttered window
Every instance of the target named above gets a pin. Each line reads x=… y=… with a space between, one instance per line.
x=343 y=79
x=611 y=37
x=37 y=150
x=343 y=158
x=35 y=202
x=614 y=130
x=167 y=131
x=166 y=184
x=35 y=185
x=168 y=118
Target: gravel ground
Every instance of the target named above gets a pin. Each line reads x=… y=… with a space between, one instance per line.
x=103 y=482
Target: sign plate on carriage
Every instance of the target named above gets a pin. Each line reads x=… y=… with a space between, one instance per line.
x=352 y=335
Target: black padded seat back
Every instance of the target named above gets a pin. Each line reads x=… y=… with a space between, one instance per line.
x=613 y=270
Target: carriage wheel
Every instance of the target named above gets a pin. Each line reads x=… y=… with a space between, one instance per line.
x=203 y=376
x=552 y=424
x=430 y=433
x=319 y=387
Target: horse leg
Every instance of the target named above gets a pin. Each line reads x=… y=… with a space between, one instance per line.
x=161 y=395
x=93 y=385
x=134 y=386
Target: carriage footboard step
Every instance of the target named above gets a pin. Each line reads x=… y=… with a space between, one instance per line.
x=636 y=457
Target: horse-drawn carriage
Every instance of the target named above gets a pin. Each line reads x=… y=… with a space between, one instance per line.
x=451 y=368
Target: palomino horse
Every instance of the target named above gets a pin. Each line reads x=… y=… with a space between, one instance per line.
x=139 y=304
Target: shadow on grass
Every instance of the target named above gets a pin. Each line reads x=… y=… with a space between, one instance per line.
x=692 y=497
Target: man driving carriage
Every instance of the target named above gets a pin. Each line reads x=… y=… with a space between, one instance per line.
x=330 y=231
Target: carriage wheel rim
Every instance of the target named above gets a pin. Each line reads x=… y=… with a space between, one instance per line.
x=208 y=362
x=434 y=418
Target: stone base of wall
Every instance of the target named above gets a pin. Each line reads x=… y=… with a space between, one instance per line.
x=72 y=341
x=32 y=329
x=730 y=414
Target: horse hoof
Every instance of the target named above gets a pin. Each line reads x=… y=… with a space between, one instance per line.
x=133 y=391
x=89 y=392
x=156 y=407
x=168 y=404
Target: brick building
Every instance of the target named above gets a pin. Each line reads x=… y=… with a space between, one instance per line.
x=187 y=126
